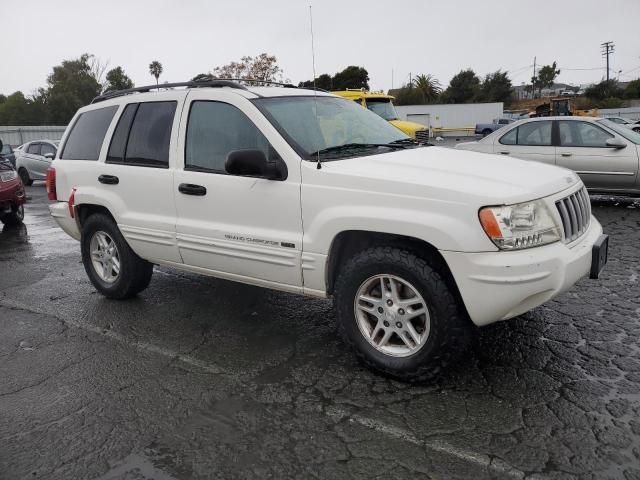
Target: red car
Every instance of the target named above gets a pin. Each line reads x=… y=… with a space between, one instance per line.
x=12 y=196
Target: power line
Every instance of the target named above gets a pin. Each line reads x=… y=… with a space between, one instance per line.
x=607 y=49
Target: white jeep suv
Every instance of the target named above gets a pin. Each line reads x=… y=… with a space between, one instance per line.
x=306 y=192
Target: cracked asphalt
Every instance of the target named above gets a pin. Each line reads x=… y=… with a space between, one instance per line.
x=203 y=378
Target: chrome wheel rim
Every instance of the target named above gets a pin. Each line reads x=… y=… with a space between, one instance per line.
x=105 y=257
x=392 y=315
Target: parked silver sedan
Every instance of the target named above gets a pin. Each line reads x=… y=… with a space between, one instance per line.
x=33 y=160
x=605 y=154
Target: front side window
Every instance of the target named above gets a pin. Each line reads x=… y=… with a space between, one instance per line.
x=535 y=134
x=47 y=148
x=313 y=124
x=34 y=149
x=213 y=130
x=87 y=134
x=582 y=134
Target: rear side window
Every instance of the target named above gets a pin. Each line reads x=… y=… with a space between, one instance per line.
x=34 y=149
x=148 y=141
x=47 y=148
x=87 y=134
x=118 y=145
x=529 y=134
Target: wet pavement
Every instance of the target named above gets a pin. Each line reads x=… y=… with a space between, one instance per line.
x=203 y=378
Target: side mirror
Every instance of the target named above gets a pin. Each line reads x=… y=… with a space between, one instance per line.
x=616 y=142
x=49 y=156
x=254 y=163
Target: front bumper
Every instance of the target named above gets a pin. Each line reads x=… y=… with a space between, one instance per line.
x=500 y=285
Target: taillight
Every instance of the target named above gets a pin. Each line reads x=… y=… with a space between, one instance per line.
x=51 y=183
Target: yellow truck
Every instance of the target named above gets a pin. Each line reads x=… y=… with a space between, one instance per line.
x=382 y=105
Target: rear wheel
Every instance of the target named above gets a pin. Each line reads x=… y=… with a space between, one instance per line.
x=24 y=176
x=15 y=217
x=399 y=314
x=112 y=266
x=486 y=132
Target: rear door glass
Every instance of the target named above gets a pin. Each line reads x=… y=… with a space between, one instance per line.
x=150 y=135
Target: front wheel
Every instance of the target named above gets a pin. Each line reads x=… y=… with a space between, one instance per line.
x=14 y=217
x=399 y=314
x=112 y=266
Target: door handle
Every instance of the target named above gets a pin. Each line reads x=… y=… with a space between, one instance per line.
x=108 y=179
x=504 y=152
x=566 y=154
x=191 y=189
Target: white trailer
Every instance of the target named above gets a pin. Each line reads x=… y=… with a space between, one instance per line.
x=456 y=119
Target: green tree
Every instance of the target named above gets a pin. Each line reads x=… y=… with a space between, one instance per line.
x=155 y=69
x=20 y=110
x=324 y=81
x=633 y=89
x=463 y=87
x=496 y=87
x=547 y=76
x=201 y=77
x=117 y=80
x=351 y=77
x=604 y=89
x=70 y=86
x=427 y=87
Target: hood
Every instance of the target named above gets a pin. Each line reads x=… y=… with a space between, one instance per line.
x=449 y=174
x=407 y=126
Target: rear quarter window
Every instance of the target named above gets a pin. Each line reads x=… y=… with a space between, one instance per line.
x=87 y=134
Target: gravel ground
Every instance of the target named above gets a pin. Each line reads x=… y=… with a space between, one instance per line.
x=203 y=378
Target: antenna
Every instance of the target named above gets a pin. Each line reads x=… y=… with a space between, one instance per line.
x=315 y=91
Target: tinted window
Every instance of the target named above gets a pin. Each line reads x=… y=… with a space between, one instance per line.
x=510 y=138
x=535 y=133
x=118 y=145
x=582 y=134
x=34 y=148
x=87 y=134
x=150 y=134
x=503 y=121
x=214 y=130
x=47 y=148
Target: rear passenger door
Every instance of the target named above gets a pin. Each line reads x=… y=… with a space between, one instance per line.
x=528 y=141
x=242 y=228
x=31 y=161
x=136 y=177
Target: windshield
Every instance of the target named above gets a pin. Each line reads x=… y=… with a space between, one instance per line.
x=335 y=122
x=621 y=130
x=383 y=108
x=6 y=149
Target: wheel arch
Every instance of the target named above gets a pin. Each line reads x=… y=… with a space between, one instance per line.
x=85 y=210
x=349 y=242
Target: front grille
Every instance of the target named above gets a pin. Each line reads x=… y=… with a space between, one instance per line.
x=575 y=211
x=422 y=135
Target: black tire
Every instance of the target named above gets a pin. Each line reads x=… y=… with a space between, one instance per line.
x=636 y=129
x=486 y=132
x=135 y=273
x=450 y=326
x=24 y=176
x=15 y=217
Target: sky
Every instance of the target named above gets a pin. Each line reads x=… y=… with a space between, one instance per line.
x=390 y=39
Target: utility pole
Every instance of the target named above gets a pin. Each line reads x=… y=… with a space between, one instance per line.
x=607 y=49
x=533 y=80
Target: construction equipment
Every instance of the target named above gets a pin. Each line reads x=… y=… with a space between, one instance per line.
x=562 y=107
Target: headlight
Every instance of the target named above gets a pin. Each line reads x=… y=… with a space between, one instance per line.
x=524 y=225
x=7 y=176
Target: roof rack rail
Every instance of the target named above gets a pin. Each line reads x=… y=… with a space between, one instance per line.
x=197 y=84
x=208 y=82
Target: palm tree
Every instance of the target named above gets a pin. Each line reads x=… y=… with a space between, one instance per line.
x=155 y=69
x=428 y=87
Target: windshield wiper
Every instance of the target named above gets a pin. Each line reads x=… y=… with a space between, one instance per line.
x=408 y=141
x=355 y=146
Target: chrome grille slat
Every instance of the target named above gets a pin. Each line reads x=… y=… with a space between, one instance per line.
x=575 y=213
x=422 y=135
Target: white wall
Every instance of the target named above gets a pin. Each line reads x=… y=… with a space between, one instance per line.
x=456 y=115
x=17 y=135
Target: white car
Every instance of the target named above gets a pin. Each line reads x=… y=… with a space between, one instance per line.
x=34 y=158
x=309 y=193
x=605 y=154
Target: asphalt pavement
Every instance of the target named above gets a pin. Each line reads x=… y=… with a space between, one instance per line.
x=203 y=378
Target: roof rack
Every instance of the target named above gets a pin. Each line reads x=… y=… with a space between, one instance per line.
x=211 y=83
